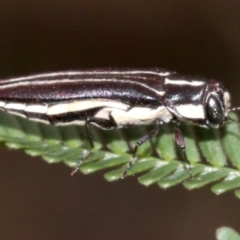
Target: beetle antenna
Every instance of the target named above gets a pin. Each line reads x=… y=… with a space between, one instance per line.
x=234 y=109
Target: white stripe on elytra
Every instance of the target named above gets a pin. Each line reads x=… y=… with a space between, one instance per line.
x=15 y=106
x=135 y=116
x=22 y=110
x=119 y=112
x=46 y=82
x=2 y=104
x=84 y=105
x=184 y=82
x=23 y=114
x=140 y=116
x=75 y=122
x=191 y=111
x=25 y=108
x=75 y=73
x=36 y=108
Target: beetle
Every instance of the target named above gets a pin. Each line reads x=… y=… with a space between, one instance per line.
x=113 y=98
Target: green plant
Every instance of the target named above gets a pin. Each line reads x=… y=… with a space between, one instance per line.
x=213 y=154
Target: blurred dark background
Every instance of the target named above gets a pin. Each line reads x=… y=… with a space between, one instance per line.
x=41 y=201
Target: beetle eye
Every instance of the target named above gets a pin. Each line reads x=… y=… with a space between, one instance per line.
x=215 y=113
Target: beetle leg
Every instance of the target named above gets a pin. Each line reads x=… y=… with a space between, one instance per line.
x=141 y=141
x=179 y=138
x=103 y=123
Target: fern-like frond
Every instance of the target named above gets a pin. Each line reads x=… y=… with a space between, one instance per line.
x=214 y=155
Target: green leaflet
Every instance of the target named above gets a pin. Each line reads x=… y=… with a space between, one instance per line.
x=213 y=154
x=226 y=233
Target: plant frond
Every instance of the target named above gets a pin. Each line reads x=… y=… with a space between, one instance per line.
x=213 y=154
